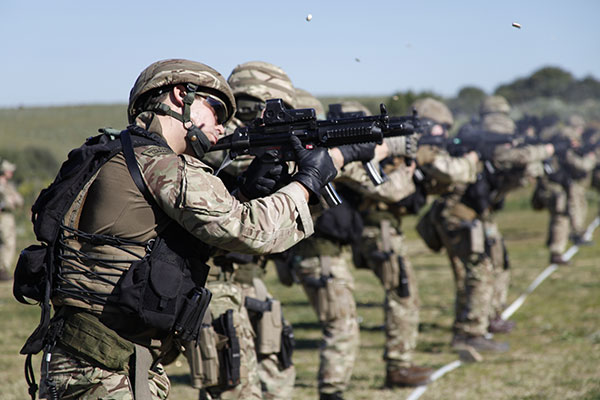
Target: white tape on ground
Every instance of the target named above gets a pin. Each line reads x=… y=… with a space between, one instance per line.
x=510 y=310
x=437 y=374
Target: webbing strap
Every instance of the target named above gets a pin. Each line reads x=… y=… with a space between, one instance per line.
x=143 y=362
x=132 y=166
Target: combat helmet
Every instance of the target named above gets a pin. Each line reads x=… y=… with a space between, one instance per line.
x=498 y=123
x=261 y=81
x=306 y=100
x=165 y=74
x=494 y=104
x=435 y=110
x=6 y=166
x=355 y=106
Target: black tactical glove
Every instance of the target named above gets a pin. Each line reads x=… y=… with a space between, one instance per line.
x=315 y=167
x=261 y=177
x=357 y=152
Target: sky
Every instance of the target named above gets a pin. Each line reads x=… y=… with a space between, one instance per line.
x=67 y=52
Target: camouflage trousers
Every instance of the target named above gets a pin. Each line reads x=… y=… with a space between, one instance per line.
x=335 y=307
x=473 y=269
x=401 y=310
x=559 y=226
x=501 y=270
x=8 y=242
x=75 y=379
x=276 y=383
x=577 y=205
x=227 y=295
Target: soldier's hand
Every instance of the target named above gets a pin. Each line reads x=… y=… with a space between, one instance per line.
x=473 y=156
x=261 y=177
x=550 y=149
x=402 y=146
x=315 y=167
x=357 y=152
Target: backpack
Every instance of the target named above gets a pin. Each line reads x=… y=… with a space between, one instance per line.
x=34 y=273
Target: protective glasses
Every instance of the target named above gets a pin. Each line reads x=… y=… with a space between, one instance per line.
x=217 y=105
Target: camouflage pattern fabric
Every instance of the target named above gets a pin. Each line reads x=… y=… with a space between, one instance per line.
x=172 y=72
x=501 y=275
x=10 y=200
x=336 y=309
x=227 y=295
x=401 y=313
x=276 y=383
x=76 y=379
x=473 y=271
x=266 y=225
x=263 y=81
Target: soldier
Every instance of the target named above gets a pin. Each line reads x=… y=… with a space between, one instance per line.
x=237 y=277
x=471 y=237
x=10 y=200
x=181 y=106
x=567 y=186
x=322 y=264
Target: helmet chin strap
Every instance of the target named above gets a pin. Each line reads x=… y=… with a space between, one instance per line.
x=195 y=137
x=198 y=140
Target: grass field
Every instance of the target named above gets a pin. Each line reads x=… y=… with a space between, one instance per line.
x=555 y=349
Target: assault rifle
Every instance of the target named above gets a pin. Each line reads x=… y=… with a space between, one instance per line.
x=272 y=133
x=335 y=112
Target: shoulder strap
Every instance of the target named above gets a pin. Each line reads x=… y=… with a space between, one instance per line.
x=132 y=165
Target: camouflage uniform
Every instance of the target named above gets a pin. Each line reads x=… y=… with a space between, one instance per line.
x=10 y=200
x=178 y=185
x=264 y=378
x=473 y=241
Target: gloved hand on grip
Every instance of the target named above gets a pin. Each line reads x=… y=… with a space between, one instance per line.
x=261 y=177
x=315 y=167
x=403 y=146
x=357 y=152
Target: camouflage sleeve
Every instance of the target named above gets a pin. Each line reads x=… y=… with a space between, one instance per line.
x=10 y=198
x=186 y=190
x=447 y=169
x=398 y=185
x=579 y=163
x=507 y=157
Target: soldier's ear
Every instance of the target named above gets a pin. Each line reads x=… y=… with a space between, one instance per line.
x=177 y=94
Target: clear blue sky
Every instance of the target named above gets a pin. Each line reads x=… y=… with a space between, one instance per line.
x=81 y=52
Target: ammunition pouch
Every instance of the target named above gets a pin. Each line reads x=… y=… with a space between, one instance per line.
x=84 y=335
x=164 y=293
x=428 y=232
x=473 y=239
x=541 y=197
x=203 y=357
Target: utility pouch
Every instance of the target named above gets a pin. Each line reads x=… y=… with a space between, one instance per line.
x=83 y=334
x=287 y=347
x=203 y=358
x=476 y=237
x=426 y=229
x=269 y=330
x=403 y=287
x=188 y=323
x=30 y=274
x=229 y=354
x=541 y=197
x=162 y=292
